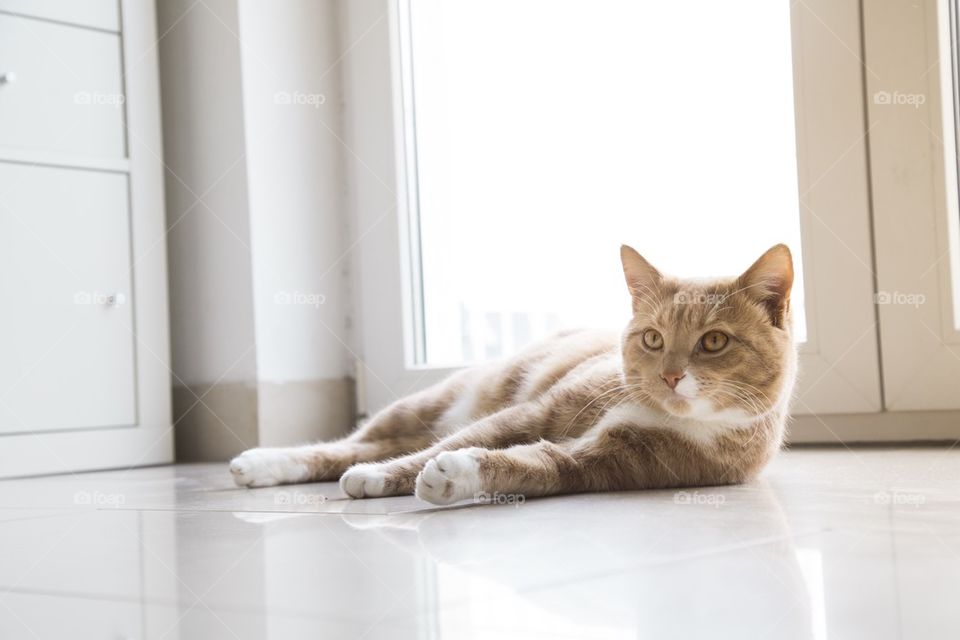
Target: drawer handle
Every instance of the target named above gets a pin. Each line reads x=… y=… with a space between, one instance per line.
x=8 y=78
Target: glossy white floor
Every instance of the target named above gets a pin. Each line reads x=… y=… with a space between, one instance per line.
x=832 y=543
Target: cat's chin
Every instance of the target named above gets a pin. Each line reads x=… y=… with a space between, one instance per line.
x=677 y=406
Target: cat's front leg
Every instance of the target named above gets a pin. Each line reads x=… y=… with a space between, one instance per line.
x=507 y=427
x=521 y=470
x=451 y=476
x=614 y=459
x=448 y=476
x=377 y=480
x=395 y=477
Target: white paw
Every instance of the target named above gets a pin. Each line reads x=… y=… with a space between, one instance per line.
x=364 y=481
x=451 y=476
x=267 y=467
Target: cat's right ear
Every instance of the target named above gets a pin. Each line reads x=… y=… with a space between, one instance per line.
x=643 y=280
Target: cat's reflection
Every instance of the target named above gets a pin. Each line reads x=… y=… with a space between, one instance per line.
x=661 y=564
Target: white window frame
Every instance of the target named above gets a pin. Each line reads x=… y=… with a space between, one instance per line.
x=913 y=160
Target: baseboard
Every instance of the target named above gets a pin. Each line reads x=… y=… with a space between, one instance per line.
x=886 y=426
x=33 y=454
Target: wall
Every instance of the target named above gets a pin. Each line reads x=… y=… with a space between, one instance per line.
x=292 y=104
x=251 y=105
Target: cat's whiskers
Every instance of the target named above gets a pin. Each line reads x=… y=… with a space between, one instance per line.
x=757 y=409
x=632 y=395
x=639 y=394
x=762 y=412
x=746 y=387
x=770 y=401
x=617 y=388
x=747 y=396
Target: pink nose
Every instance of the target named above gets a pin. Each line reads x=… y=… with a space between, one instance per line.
x=672 y=378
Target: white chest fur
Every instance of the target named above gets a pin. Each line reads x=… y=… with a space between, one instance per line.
x=700 y=430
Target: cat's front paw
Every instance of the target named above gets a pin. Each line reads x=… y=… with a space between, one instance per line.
x=266 y=468
x=451 y=476
x=366 y=480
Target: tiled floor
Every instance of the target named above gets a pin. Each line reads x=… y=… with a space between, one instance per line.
x=831 y=543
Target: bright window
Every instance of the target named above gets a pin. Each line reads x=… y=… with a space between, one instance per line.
x=666 y=126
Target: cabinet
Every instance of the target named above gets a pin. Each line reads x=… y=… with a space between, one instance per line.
x=84 y=375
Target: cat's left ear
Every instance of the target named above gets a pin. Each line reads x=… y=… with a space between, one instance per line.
x=769 y=281
x=643 y=279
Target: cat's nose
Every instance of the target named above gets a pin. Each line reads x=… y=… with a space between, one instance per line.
x=672 y=377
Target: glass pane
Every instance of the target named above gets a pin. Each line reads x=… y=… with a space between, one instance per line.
x=548 y=132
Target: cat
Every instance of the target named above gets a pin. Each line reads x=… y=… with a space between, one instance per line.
x=695 y=391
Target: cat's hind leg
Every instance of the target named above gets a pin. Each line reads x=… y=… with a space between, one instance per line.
x=408 y=425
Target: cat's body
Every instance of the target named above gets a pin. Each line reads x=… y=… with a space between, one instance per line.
x=694 y=392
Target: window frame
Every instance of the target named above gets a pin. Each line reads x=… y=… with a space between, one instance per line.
x=913 y=166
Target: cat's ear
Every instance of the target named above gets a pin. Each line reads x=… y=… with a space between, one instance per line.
x=643 y=280
x=769 y=281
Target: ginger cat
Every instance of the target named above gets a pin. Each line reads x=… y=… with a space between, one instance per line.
x=694 y=392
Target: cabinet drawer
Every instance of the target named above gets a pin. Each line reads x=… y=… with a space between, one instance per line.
x=99 y=14
x=61 y=89
x=66 y=342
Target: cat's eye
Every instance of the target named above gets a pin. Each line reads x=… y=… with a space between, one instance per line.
x=652 y=339
x=714 y=341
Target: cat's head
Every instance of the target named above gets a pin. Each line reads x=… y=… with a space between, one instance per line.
x=711 y=349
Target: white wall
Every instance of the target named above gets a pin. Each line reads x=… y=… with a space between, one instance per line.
x=291 y=92
x=211 y=297
x=252 y=103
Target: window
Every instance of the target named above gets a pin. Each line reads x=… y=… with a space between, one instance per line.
x=660 y=125
x=496 y=173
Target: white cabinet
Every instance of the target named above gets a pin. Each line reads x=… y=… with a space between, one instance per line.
x=99 y=14
x=66 y=331
x=63 y=88
x=84 y=376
